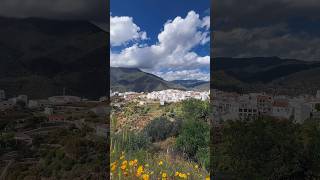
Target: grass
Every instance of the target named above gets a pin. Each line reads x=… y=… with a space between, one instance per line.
x=132 y=161
x=133 y=156
x=144 y=165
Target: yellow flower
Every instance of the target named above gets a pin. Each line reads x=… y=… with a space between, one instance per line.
x=124 y=165
x=207 y=178
x=131 y=163
x=196 y=166
x=164 y=175
x=121 y=157
x=113 y=167
x=160 y=163
x=182 y=175
x=125 y=162
x=135 y=162
x=139 y=171
x=177 y=173
x=145 y=177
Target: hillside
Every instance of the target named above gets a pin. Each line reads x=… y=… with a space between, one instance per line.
x=40 y=57
x=270 y=74
x=133 y=79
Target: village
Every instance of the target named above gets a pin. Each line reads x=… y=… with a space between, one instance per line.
x=50 y=124
x=234 y=106
x=162 y=97
x=61 y=109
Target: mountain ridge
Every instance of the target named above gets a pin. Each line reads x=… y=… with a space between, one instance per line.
x=41 y=56
x=268 y=74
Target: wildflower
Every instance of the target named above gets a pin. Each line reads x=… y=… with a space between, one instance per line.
x=207 y=178
x=196 y=166
x=182 y=175
x=131 y=163
x=113 y=166
x=139 y=171
x=177 y=173
x=124 y=165
x=121 y=157
x=145 y=177
x=135 y=162
x=160 y=163
x=164 y=175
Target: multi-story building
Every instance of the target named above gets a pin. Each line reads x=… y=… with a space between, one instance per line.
x=252 y=105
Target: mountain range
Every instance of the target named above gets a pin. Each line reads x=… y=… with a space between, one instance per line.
x=133 y=79
x=41 y=57
x=268 y=74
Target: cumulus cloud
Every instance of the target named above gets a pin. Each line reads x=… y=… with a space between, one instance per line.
x=277 y=40
x=184 y=75
x=283 y=28
x=93 y=10
x=123 y=29
x=174 y=48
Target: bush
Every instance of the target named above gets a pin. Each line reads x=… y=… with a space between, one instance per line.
x=194 y=136
x=203 y=157
x=130 y=141
x=194 y=109
x=264 y=148
x=161 y=128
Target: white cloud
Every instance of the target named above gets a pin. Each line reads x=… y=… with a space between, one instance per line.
x=123 y=30
x=174 y=48
x=184 y=75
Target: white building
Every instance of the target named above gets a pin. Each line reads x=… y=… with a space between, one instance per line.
x=281 y=109
x=59 y=100
x=172 y=95
x=48 y=111
x=2 y=95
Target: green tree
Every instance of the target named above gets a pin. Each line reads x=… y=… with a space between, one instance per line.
x=161 y=128
x=194 y=136
x=310 y=135
x=264 y=148
x=194 y=109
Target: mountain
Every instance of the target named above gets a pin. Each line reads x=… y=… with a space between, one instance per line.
x=133 y=79
x=269 y=74
x=189 y=83
x=40 y=57
x=193 y=84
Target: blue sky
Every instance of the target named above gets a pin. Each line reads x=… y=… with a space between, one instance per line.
x=143 y=37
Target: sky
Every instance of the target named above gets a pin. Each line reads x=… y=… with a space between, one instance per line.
x=91 y=10
x=170 y=39
x=252 y=28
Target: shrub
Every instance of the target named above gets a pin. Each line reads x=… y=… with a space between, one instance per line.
x=203 y=157
x=194 y=109
x=194 y=136
x=161 y=128
x=264 y=148
x=130 y=141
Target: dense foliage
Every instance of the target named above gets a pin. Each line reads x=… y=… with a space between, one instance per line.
x=161 y=128
x=268 y=148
